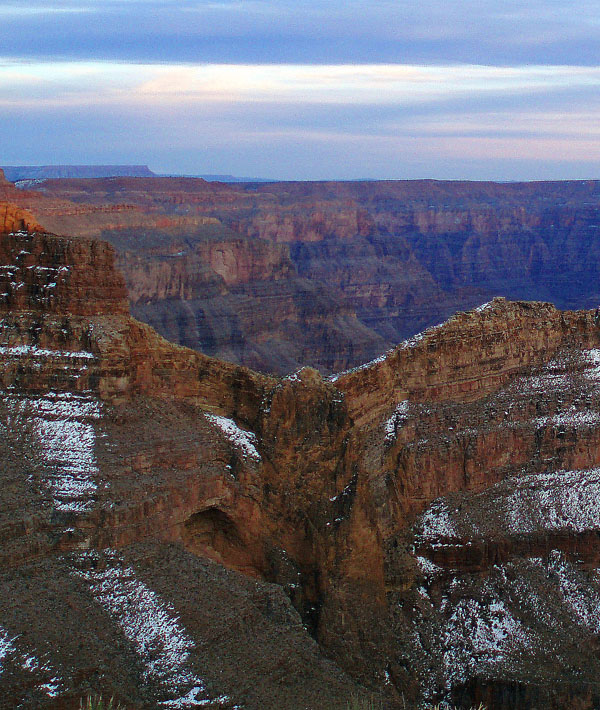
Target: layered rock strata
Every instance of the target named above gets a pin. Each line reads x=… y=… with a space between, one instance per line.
x=124 y=473
x=421 y=528
x=365 y=264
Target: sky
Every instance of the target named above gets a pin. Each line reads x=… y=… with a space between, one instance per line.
x=311 y=90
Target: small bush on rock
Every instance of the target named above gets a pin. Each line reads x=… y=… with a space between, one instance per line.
x=95 y=702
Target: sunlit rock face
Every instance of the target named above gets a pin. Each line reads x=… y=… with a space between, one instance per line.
x=178 y=531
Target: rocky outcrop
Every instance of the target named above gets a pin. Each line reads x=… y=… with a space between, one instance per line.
x=41 y=272
x=12 y=218
x=128 y=464
x=468 y=357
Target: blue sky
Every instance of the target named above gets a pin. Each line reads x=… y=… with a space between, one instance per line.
x=314 y=90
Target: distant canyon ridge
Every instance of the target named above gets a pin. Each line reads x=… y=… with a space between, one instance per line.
x=329 y=274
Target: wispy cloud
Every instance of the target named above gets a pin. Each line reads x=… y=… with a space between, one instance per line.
x=306 y=121
x=31 y=11
x=108 y=82
x=477 y=88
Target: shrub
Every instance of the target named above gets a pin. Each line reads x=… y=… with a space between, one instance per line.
x=361 y=703
x=95 y=702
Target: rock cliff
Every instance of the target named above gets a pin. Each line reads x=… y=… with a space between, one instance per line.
x=128 y=464
x=361 y=265
x=421 y=528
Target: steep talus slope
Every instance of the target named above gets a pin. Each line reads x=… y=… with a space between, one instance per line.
x=362 y=265
x=178 y=530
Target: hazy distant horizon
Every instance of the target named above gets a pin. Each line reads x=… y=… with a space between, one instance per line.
x=223 y=177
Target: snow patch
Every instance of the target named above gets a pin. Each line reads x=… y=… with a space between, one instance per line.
x=242 y=439
x=51 y=685
x=427 y=567
x=189 y=701
x=571 y=418
x=554 y=501
x=592 y=357
x=544 y=382
x=61 y=422
x=396 y=421
x=483 y=307
x=34 y=351
x=293 y=376
x=152 y=626
x=436 y=522
x=479 y=633
x=580 y=598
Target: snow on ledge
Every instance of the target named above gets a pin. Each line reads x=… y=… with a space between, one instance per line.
x=33 y=351
x=63 y=425
x=396 y=421
x=554 y=501
x=242 y=439
x=437 y=521
x=484 y=307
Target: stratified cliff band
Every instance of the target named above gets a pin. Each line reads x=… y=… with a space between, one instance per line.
x=281 y=275
x=179 y=531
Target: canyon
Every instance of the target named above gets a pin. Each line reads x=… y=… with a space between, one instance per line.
x=183 y=531
x=350 y=269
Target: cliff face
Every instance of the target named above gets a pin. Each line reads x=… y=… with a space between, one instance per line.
x=12 y=218
x=216 y=292
x=466 y=358
x=56 y=275
x=428 y=519
x=353 y=268
x=128 y=464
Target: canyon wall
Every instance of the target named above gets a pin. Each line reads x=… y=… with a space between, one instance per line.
x=350 y=269
x=421 y=528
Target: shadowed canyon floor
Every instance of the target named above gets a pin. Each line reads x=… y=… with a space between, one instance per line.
x=277 y=276
x=178 y=531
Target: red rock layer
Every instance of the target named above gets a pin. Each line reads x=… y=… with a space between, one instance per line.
x=470 y=356
x=312 y=484
x=378 y=261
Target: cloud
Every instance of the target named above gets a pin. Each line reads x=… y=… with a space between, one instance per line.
x=88 y=83
x=314 y=31
x=306 y=121
x=429 y=88
x=20 y=11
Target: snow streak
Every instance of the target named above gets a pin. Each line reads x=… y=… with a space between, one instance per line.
x=153 y=627
x=242 y=439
